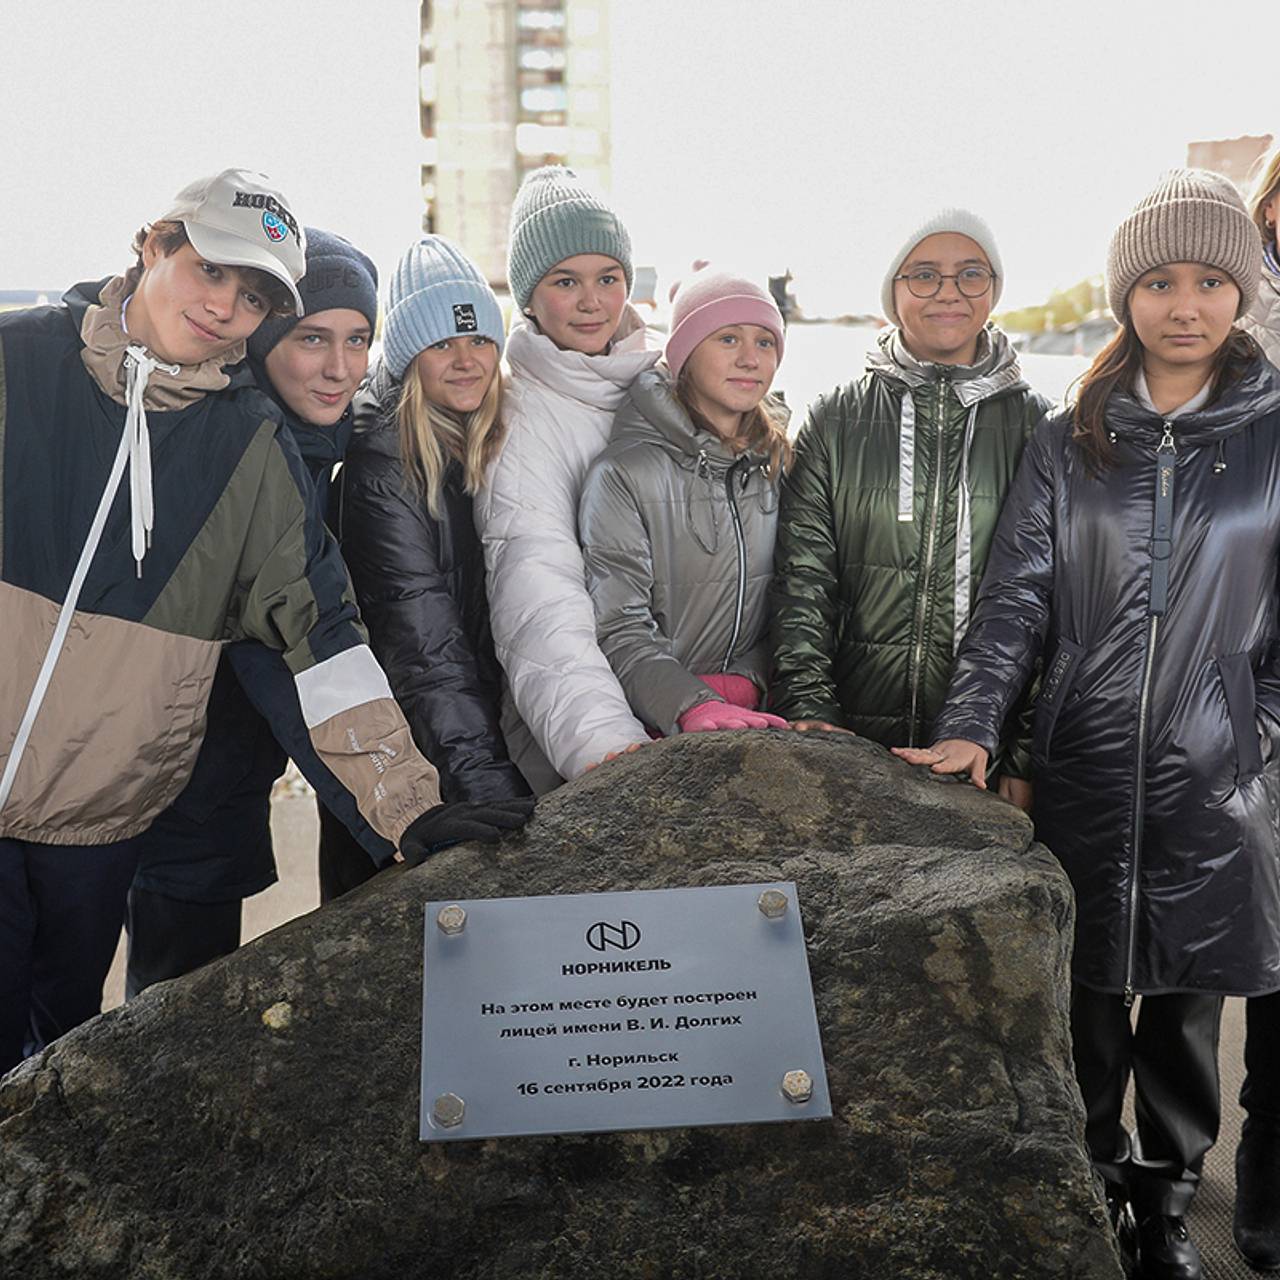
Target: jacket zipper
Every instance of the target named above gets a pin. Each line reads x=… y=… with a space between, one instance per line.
x=1158 y=603
x=740 y=602
x=922 y=597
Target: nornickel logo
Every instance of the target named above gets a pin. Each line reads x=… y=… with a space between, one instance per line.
x=622 y=936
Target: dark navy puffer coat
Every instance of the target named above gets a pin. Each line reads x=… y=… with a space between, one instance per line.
x=1156 y=761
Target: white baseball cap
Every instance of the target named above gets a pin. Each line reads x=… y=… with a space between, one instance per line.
x=236 y=218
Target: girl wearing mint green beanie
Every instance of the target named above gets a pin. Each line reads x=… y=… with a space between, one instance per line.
x=572 y=356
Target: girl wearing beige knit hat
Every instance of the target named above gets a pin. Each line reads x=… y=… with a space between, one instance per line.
x=1137 y=559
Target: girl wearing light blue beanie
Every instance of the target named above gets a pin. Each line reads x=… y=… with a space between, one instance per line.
x=427 y=423
x=572 y=357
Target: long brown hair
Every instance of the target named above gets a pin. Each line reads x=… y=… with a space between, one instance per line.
x=430 y=436
x=1116 y=367
x=762 y=429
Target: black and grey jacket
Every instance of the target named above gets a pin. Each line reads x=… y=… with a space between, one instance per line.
x=1152 y=590
x=677 y=535
x=420 y=584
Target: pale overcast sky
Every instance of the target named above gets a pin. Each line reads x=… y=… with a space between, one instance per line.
x=809 y=133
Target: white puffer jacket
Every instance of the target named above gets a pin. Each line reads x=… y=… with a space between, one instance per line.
x=1263 y=318
x=558 y=408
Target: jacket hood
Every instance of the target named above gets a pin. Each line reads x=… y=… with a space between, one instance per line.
x=1262 y=320
x=995 y=372
x=374 y=414
x=651 y=414
x=1255 y=395
x=88 y=293
x=598 y=381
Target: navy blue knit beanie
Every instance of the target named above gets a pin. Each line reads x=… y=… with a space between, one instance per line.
x=338 y=275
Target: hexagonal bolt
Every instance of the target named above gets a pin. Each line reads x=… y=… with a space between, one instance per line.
x=451 y=919
x=797 y=1086
x=772 y=903
x=447 y=1110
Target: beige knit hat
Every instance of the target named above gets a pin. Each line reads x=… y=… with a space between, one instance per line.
x=1192 y=216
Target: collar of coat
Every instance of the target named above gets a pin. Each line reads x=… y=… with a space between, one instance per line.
x=652 y=415
x=598 y=381
x=995 y=371
x=1254 y=396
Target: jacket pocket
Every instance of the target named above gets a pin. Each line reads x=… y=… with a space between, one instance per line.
x=1056 y=684
x=1236 y=672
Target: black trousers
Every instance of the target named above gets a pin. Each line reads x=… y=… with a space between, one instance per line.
x=169 y=937
x=1172 y=1055
x=344 y=864
x=1260 y=1094
x=61 y=908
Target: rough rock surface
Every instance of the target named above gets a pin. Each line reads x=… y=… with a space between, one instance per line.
x=189 y=1135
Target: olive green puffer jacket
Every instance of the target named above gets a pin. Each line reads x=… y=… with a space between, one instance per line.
x=893 y=474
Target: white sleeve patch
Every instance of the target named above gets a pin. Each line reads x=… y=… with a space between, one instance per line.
x=337 y=684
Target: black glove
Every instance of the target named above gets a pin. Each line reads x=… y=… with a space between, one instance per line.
x=448 y=824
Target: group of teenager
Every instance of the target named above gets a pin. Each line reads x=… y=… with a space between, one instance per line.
x=547 y=546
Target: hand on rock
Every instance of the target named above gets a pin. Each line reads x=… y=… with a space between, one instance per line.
x=951 y=755
x=804 y=726
x=613 y=755
x=707 y=717
x=448 y=824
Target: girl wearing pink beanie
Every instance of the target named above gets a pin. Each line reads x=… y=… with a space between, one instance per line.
x=678 y=514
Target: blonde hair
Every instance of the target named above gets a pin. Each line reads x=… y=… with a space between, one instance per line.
x=432 y=436
x=1265 y=188
x=761 y=430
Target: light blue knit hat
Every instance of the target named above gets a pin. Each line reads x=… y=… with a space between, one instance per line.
x=556 y=217
x=437 y=293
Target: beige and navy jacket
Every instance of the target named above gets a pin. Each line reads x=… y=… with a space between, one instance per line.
x=133 y=546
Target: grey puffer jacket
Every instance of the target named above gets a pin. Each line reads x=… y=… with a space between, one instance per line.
x=677 y=534
x=1262 y=320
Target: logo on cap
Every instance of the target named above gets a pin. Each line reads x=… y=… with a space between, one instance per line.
x=274 y=227
x=464 y=317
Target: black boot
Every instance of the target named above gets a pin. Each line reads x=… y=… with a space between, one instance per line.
x=1257 y=1220
x=1165 y=1250
x=1120 y=1214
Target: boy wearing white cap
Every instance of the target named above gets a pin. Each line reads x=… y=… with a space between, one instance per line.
x=116 y=598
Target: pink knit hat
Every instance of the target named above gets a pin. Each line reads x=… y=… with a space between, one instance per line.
x=708 y=300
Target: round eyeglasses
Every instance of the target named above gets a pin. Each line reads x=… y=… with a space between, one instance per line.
x=925 y=282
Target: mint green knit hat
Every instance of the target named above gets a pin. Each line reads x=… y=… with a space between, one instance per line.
x=556 y=217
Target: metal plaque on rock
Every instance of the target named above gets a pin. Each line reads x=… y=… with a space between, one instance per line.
x=590 y=1012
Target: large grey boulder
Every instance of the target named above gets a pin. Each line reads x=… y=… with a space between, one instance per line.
x=259 y=1119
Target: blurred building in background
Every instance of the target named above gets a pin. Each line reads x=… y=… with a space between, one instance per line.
x=506 y=86
x=1232 y=157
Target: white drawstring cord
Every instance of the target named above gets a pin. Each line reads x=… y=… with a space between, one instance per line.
x=139 y=365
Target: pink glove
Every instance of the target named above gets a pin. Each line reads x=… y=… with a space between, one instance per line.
x=707 y=717
x=738 y=691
